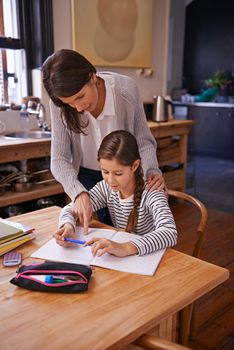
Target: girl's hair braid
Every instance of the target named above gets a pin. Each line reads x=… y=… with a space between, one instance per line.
x=140 y=185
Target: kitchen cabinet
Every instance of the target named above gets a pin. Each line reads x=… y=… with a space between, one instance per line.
x=213 y=132
x=172 y=144
x=11 y=151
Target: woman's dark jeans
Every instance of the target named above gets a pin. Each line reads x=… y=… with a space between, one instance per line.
x=89 y=178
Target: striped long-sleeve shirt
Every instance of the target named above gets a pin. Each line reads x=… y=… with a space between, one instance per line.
x=156 y=226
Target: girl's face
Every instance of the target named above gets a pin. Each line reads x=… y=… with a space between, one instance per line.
x=86 y=99
x=119 y=177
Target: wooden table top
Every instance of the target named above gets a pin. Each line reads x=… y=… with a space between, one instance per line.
x=117 y=309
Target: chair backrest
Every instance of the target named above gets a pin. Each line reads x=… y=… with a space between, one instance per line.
x=203 y=217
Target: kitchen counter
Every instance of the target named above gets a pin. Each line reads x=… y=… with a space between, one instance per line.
x=176 y=133
x=170 y=128
x=14 y=150
x=204 y=104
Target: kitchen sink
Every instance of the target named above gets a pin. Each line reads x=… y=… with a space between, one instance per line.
x=29 y=135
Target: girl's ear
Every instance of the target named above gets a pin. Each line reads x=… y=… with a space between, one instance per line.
x=136 y=164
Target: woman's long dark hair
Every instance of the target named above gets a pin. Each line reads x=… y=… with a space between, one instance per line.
x=64 y=74
x=122 y=146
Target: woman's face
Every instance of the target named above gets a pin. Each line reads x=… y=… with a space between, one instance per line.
x=86 y=99
x=119 y=177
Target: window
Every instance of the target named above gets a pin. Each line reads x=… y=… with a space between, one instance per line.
x=12 y=56
x=26 y=40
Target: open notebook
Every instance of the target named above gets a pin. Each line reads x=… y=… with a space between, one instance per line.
x=145 y=265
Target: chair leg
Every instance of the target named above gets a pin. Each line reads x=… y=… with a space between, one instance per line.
x=184 y=324
x=192 y=324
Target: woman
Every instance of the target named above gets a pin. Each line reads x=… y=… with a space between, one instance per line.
x=131 y=207
x=85 y=107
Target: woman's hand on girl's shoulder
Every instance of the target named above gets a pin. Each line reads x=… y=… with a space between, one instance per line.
x=155 y=182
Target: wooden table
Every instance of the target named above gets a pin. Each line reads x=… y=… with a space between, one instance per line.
x=116 y=310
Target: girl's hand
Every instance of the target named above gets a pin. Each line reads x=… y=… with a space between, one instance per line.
x=155 y=182
x=66 y=231
x=101 y=246
x=83 y=210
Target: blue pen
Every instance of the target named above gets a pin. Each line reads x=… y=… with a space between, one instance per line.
x=55 y=279
x=73 y=240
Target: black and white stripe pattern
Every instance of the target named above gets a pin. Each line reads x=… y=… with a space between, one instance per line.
x=156 y=226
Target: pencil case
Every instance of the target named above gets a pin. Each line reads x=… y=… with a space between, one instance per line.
x=53 y=277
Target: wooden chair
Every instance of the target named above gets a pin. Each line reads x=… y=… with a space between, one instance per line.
x=186 y=316
x=152 y=343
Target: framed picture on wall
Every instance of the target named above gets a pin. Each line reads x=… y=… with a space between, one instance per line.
x=116 y=33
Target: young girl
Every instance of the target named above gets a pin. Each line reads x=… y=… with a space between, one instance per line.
x=131 y=207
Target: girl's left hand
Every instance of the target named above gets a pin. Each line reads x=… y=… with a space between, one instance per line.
x=101 y=246
x=155 y=182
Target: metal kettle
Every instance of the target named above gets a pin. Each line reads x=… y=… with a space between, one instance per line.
x=161 y=109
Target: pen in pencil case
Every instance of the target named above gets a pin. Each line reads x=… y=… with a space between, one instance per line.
x=55 y=279
x=74 y=240
x=49 y=278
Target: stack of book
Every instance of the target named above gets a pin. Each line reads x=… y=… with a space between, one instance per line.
x=13 y=234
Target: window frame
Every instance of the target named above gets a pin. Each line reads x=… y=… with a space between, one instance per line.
x=35 y=19
x=6 y=43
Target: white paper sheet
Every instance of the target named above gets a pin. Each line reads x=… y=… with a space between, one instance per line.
x=145 y=265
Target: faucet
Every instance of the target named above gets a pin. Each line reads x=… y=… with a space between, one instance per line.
x=38 y=110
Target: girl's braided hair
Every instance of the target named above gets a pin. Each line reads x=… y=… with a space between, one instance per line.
x=122 y=146
x=64 y=74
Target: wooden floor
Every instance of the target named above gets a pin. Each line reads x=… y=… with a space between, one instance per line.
x=214 y=311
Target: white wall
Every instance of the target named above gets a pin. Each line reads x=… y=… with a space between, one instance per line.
x=167 y=50
x=149 y=86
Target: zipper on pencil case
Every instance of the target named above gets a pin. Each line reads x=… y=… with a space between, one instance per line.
x=56 y=274
x=54 y=283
